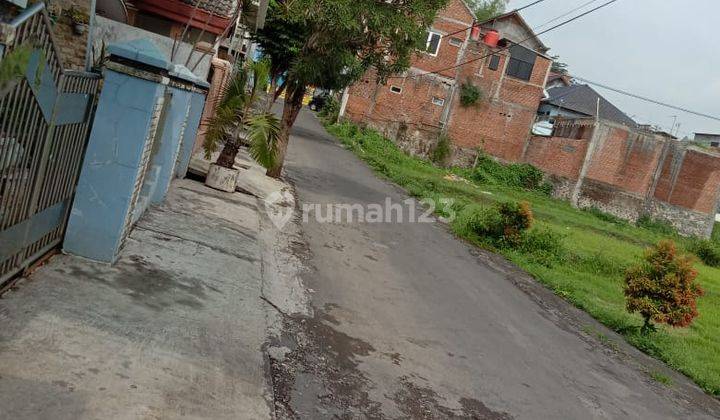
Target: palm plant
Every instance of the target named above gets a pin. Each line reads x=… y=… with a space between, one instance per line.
x=241 y=120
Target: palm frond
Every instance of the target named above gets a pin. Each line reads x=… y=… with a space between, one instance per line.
x=263 y=131
x=260 y=74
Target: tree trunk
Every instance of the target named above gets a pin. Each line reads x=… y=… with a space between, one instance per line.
x=228 y=154
x=291 y=109
x=271 y=96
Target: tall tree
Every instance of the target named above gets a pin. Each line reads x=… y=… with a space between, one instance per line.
x=331 y=43
x=558 y=66
x=487 y=9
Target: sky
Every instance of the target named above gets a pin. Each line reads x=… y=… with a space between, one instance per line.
x=668 y=50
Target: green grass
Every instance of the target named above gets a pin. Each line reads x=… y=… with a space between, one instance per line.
x=661 y=378
x=600 y=247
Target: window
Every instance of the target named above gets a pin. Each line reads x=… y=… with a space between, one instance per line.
x=438 y=101
x=522 y=61
x=494 y=62
x=432 y=45
x=455 y=42
x=715 y=144
x=395 y=89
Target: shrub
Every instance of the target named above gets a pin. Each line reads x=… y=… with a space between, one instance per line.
x=470 y=94
x=708 y=251
x=441 y=152
x=657 y=226
x=330 y=110
x=662 y=288
x=716 y=233
x=543 y=246
x=502 y=225
x=516 y=175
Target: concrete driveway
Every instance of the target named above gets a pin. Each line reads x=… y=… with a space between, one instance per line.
x=410 y=322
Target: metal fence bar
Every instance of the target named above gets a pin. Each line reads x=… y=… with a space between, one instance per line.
x=40 y=154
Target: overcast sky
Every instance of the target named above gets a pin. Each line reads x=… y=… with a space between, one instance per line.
x=667 y=50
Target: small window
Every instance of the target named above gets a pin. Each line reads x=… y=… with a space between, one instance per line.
x=455 y=42
x=438 y=101
x=494 y=62
x=395 y=89
x=432 y=44
x=715 y=144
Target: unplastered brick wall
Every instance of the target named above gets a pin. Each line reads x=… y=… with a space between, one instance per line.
x=625 y=159
x=72 y=46
x=690 y=178
x=631 y=174
x=562 y=157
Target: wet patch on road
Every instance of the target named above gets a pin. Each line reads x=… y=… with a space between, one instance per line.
x=419 y=402
x=315 y=375
x=319 y=377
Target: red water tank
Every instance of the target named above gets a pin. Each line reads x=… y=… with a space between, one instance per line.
x=491 y=38
x=475 y=33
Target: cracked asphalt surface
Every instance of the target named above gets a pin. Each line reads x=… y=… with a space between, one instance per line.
x=410 y=322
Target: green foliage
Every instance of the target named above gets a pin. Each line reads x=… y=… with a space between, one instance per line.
x=516 y=175
x=237 y=119
x=662 y=287
x=442 y=150
x=716 y=233
x=13 y=67
x=330 y=46
x=502 y=225
x=661 y=378
x=558 y=66
x=707 y=250
x=657 y=226
x=330 y=111
x=262 y=132
x=487 y=9
x=470 y=94
x=544 y=246
x=606 y=217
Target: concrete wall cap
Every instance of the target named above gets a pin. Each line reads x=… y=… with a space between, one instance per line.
x=141 y=50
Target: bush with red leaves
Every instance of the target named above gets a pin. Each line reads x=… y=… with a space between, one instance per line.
x=662 y=287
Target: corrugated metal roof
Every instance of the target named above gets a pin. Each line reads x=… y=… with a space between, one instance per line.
x=583 y=99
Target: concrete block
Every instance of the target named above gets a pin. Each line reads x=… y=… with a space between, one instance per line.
x=221 y=178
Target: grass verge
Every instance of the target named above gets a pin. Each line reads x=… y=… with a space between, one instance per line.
x=591 y=274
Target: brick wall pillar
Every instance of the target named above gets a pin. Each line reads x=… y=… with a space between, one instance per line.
x=592 y=146
x=221 y=71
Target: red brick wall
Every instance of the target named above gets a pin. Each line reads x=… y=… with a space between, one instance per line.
x=557 y=155
x=455 y=17
x=413 y=106
x=693 y=182
x=499 y=128
x=627 y=161
x=501 y=123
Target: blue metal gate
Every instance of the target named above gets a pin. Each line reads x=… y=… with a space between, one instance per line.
x=45 y=114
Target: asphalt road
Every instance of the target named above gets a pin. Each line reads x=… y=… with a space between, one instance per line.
x=411 y=322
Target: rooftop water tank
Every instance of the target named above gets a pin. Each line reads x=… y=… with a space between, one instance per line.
x=491 y=38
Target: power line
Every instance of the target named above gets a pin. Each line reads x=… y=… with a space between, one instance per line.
x=569 y=12
x=495 y=17
x=534 y=36
x=643 y=98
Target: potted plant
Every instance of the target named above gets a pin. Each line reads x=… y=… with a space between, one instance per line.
x=79 y=20
x=240 y=119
